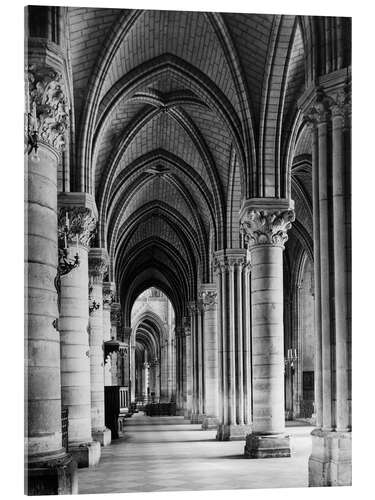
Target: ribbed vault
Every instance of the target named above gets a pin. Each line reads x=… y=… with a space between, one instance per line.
x=179 y=116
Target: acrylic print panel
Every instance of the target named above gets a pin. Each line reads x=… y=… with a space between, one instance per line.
x=188 y=211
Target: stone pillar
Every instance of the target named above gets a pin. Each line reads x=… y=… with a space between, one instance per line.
x=246 y=343
x=115 y=318
x=98 y=264
x=179 y=370
x=74 y=316
x=49 y=469
x=108 y=296
x=196 y=362
x=329 y=115
x=132 y=370
x=145 y=379
x=209 y=302
x=170 y=366
x=229 y=267
x=188 y=375
x=265 y=227
x=126 y=339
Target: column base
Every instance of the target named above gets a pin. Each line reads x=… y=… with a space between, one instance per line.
x=85 y=454
x=52 y=476
x=232 y=432
x=103 y=436
x=197 y=418
x=209 y=423
x=180 y=412
x=330 y=462
x=267 y=446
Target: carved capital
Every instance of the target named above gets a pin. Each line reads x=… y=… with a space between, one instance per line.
x=108 y=297
x=267 y=227
x=341 y=107
x=47 y=106
x=76 y=224
x=187 y=326
x=193 y=307
x=209 y=300
x=98 y=264
x=329 y=105
x=116 y=314
x=220 y=263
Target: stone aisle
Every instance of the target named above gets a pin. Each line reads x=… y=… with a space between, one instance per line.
x=170 y=454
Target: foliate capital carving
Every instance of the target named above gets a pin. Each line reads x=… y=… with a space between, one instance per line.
x=97 y=268
x=229 y=259
x=193 y=307
x=220 y=263
x=234 y=261
x=115 y=314
x=108 y=297
x=187 y=326
x=77 y=224
x=209 y=300
x=267 y=227
x=341 y=104
x=326 y=106
x=47 y=105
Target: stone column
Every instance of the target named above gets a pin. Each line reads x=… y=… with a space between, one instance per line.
x=246 y=343
x=49 y=470
x=132 y=370
x=179 y=371
x=229 y=267
x=78 y=211
x=328 y=113
x=115 y=318
x=108 y=296
x=170 y=366
x=209 y=302
x=340 y=121
x=145 y=379
x=188 y=375
x=194 y=309
x=98 y=264
x=265 y=226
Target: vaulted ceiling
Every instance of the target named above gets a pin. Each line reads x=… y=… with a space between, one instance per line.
x=178 y=117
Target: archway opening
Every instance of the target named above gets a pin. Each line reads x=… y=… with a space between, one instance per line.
x=153 y=348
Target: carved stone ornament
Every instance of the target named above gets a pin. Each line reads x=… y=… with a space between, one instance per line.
x=97 y=268
x=47 y=105
x=265 y=227
x=115 y=317
x=327 y=106
x=108 y=297
x=187 y=325
x=209 y=300
x=80 y=222
x=193 y=307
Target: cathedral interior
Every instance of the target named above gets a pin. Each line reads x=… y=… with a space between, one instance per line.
x=188 y=238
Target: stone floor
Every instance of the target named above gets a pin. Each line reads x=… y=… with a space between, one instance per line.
x=169 y=454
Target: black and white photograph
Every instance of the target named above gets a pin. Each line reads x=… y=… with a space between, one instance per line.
x=188 y=249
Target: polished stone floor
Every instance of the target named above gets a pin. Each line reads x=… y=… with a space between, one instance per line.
x=169 y=454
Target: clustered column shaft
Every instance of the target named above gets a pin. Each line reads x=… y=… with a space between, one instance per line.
x=329 y=120
x=98 y=264
x=234 y=423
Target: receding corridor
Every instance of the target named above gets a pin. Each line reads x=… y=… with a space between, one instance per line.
x=188 y=250
x=170 y=454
